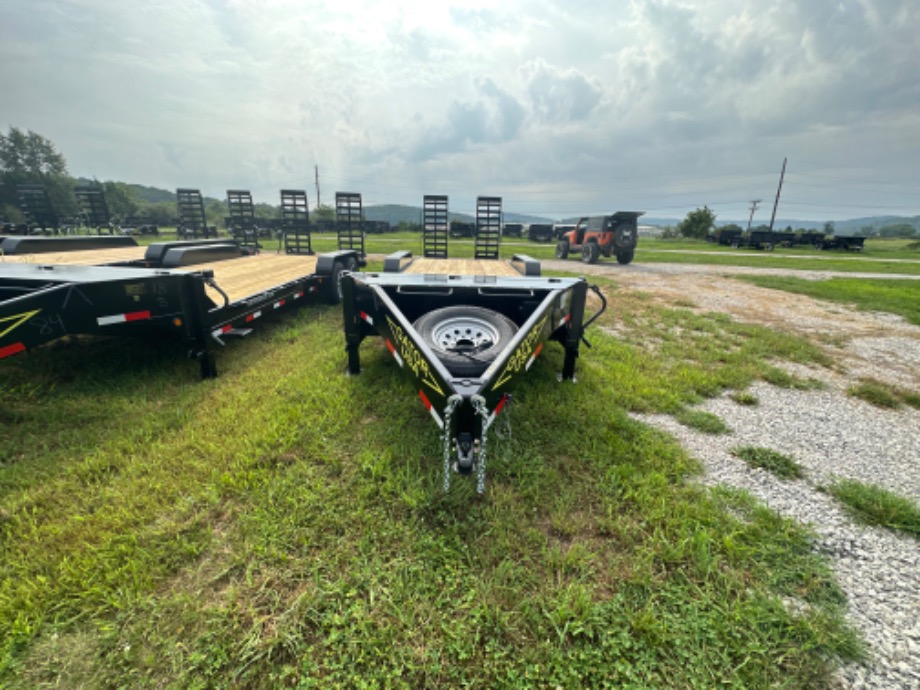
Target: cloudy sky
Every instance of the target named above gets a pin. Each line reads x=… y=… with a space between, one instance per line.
x=560 y=107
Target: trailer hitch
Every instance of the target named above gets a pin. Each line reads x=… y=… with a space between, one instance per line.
x=597 y=291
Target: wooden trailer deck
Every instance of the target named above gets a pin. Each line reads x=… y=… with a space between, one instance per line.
x=250 y=275
x=84 y=257
x=461 y=267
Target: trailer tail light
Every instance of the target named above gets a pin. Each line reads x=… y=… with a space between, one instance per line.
x=433 y=412
x=11 y=350
x=123 y=318
x=177 y=322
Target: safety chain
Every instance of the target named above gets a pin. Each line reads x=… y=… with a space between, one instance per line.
x=479 y=405
x=452 y=403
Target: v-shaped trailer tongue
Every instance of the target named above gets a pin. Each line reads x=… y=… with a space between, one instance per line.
x=464 y=341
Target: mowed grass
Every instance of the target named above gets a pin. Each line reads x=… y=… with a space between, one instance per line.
x=283 y=525
x=901 y=297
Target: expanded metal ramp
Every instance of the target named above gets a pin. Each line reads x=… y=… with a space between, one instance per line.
x=434 y=226
x=94 y=208
x=35 y=205
x=488 y=226
x=295 y=221
x=349 y=218
x=242 y=220
x=192 y=223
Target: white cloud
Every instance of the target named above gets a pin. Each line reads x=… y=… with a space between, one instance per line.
x=655 y=104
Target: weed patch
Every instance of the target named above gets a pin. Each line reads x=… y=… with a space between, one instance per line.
x=706 y=422
x=781 y=465
x=873 y=505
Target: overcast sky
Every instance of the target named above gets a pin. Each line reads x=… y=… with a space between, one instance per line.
x=561 y=108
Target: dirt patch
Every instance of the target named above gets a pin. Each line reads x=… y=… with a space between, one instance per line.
x=865 y=344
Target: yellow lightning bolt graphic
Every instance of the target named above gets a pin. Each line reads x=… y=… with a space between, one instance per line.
x=17 y=319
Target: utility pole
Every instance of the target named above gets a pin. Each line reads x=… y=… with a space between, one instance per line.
x=318 y=202
x=778 y=190
x=754 y=205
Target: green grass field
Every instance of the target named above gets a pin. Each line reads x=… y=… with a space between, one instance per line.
x=283 y=524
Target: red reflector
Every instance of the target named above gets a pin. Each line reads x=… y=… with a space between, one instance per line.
x=536 y=353
x=137 y=316
x=501 y=404
x=13 y=349
x=390 y=346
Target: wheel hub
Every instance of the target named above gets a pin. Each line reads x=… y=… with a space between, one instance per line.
x=465 y=334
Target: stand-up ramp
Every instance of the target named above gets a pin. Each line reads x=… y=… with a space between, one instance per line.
x=35 y=205
x=488 y=226
x=242 y=220
x=349 y=224
x=434 y=226
x=94 y=209
x=192 y=222
x=295 y=221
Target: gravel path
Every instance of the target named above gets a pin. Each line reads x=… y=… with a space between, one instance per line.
x=829 y=433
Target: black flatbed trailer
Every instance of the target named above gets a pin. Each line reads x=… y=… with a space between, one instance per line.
x=465 y=331
x=42 y=302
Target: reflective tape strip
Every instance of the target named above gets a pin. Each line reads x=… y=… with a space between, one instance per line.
x=367 y=317
x=123 y=318
x=431 y=410
x=565 y=319
x=498 y=408
x=536 y=353
x=253 y=316
x=280 y=303
x=298 y=295
x=13 y=349
x=222 y=330
x=399 y=360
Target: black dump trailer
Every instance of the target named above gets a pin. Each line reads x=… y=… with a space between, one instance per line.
x=198 y=291
x=513 y=230
x=724 y=236
x=850 y=243
x=763 y=239
x=460 y=229
x=540 y=232
x=464 y=331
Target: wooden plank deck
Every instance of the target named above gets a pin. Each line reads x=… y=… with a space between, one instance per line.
x=250 y=275
x=84 y=257
x=462 y=267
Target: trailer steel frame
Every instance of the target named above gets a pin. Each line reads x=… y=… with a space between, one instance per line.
x=40 y=302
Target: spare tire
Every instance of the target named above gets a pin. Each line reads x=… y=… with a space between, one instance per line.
x=466 y=339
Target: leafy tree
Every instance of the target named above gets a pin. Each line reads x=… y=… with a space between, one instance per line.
x=120 y=199
x=323 y=212
x=30 y=158
x=898 y=230
x=698 y=223
x=829 y=227
x=867 y=231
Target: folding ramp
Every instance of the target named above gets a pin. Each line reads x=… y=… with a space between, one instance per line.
x=94 y=208
x=349 y=222
x=242 y=220
x=192 y=222
x=35 y=205
x=295 y=221
x=488 y=226
x=434 y=226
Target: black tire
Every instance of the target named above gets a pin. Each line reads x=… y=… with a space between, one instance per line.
x=590 y=253
x=562 y=249
x=351 y=264
x=624 y=256
x=333 y=291
x=466 y=339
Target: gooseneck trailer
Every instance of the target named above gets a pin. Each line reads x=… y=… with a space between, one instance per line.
x=465 y=332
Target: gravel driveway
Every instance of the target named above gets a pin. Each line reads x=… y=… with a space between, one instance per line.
x=828 y=432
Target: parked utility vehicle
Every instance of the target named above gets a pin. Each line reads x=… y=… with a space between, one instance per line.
x=593 y=236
